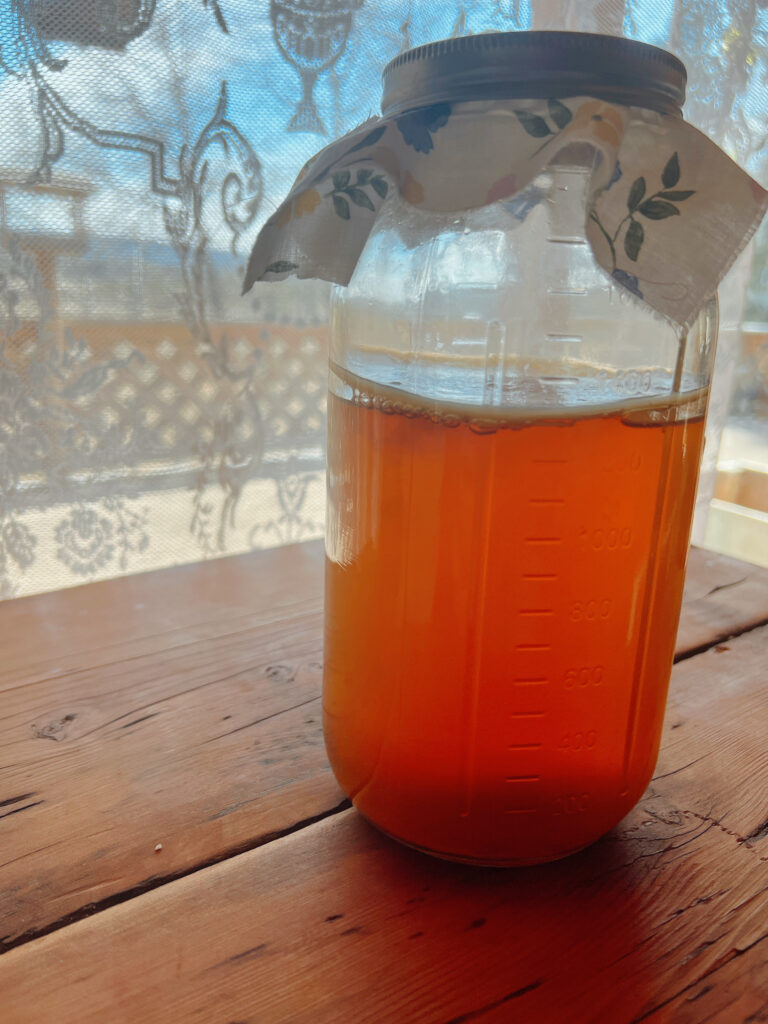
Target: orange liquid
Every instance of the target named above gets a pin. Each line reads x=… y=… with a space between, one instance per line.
x=502 y=601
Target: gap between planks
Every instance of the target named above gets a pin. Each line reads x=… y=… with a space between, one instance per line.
x=158 y=881
x=90 y=909
x=710 y=644
x=267 y=837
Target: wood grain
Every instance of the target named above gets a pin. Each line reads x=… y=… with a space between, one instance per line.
x=178 y=708
x=181 y=708
x=665 y=919
x=723 y=597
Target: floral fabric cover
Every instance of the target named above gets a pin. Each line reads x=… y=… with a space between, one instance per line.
x=667 y=212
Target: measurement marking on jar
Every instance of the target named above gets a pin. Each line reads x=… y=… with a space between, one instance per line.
x=543 y=540
x=521 y=810
x=566 y=240
x=550 y=462
x=573 y=803
x=546 y=501
x=526 y=714
x=583 y=676
x=533 y=647
x=523 y=778
x=536 y=611
x=612 y=538
x=568 y=339
x=591 y=610
x=578 y=741
x=525 y=746
x=539 y=576
x=537 y=681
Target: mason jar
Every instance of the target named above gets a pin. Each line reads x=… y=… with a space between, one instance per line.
x=513 y=450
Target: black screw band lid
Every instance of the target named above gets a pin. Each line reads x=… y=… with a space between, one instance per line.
x=534 y=64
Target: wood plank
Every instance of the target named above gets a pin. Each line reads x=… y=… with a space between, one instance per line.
x=53 y=634
x=178 y=708
x=665 y=919
x=731 y=991
x=743 y=485
x=723 y=597
x=181 y=707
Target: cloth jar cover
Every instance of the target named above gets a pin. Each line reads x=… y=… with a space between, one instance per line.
x=667 y=211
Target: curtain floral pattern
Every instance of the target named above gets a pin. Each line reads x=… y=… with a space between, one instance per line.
x=150 y=414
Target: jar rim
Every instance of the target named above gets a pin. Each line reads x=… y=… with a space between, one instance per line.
x=538 y=64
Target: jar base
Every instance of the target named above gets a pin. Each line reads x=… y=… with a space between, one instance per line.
x=478 y=862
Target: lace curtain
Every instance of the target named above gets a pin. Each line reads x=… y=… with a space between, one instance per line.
x=149 y=414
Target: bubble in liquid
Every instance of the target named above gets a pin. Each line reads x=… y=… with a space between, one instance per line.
x=483 y=426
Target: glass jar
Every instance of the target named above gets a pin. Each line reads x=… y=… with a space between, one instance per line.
x=513 y=451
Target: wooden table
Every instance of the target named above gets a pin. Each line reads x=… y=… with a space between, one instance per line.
x=173 y=846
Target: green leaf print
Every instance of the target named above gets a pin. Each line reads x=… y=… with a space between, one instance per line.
x=344 y=192
x=533 y=124
x=371 y=139
x=359 y=198
x=341 y=206
x=559 y=113
x=281 y=267
x=658 y=209
x=677 y=197
x=671 y=173
x=633 y=239
x=636 y=194
x=658 y=206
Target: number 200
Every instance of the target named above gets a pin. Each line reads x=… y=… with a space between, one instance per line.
x=573 y=803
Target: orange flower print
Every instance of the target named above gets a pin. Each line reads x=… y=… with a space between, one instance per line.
x=307 y=202
x=412 y=190
x=304 y=203
x=602 y=120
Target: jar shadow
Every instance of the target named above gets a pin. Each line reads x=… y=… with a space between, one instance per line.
x=571 y=939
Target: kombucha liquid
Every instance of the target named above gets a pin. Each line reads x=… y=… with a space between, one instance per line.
x=503 y=587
